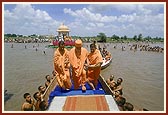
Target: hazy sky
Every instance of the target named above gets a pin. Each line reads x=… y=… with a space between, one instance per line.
x=85 y=19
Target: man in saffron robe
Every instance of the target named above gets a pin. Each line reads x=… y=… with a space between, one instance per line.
x=94 y=60
x=61 y=66
x=77 y=58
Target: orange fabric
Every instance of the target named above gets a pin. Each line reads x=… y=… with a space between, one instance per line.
x=94 y=58
x=77 y=63
x=61 y=68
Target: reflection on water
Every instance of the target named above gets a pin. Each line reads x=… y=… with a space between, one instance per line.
x=142 y=72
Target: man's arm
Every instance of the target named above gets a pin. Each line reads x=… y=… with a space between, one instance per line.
x=95 y=65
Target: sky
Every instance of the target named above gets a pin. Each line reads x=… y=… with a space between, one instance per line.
x=85 y=19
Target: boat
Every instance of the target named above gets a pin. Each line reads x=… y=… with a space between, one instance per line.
x=106 y=63
x=100 y=99
x=63 y=35
x=68 y=44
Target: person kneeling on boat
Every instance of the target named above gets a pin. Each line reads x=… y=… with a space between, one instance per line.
x=77 y=58
x=93 y=71
x=61 y=66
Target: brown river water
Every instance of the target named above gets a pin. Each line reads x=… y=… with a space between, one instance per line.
x=143 y=73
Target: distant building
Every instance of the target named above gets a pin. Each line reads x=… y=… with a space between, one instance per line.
x=63 y=33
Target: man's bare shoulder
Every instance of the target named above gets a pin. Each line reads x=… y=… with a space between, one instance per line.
x=26 y=105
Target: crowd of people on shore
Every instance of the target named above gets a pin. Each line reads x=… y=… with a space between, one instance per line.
x=117 y=90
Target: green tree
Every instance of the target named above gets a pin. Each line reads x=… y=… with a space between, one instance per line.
x=125 y=37
x=148 y=38
x=140 y=37
x=115 y=37
x=13 y=35
x=102 y=37
x=135 y=38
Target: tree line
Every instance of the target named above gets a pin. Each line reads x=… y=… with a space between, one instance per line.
x=101 y=37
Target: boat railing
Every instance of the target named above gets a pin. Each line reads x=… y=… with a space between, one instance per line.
x=48 y=90
x=105 y=86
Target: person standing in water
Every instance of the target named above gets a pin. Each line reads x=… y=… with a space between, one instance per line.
x=28 y=105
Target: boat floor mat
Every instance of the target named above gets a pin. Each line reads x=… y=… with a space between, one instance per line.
x=86 y=103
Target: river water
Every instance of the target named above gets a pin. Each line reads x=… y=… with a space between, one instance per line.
x=142 y=72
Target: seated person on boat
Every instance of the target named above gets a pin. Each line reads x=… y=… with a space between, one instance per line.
x=107 y=55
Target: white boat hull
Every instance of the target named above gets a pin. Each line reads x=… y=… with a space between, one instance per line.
x=106 y=63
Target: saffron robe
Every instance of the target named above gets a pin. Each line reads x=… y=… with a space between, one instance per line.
x=77 y=62
x=93 y=73
x=62 y=68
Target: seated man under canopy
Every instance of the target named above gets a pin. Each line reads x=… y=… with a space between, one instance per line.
x=61 y=66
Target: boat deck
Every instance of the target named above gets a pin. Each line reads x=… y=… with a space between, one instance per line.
x=76 y=100
x=83 y=103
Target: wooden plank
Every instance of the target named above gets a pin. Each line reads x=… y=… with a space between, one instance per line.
x=105 y=86
x=50 y=88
